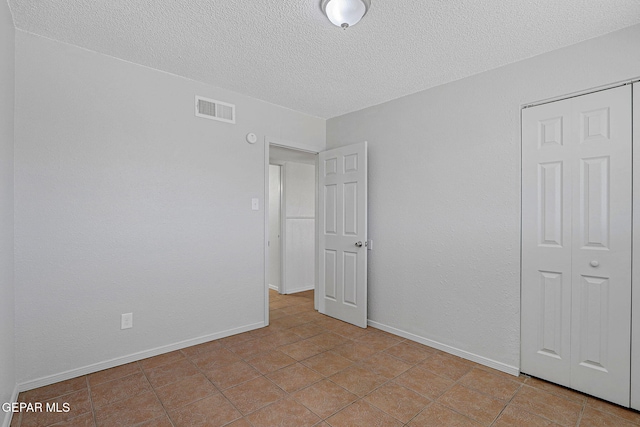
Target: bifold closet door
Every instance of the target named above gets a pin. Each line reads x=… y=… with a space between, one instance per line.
x=546 y=242
x=576 y=237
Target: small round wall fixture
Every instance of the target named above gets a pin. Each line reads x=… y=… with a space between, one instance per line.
x=252 y=138
x=345 y=13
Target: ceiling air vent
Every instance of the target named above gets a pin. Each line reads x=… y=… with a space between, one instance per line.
x=215 y=110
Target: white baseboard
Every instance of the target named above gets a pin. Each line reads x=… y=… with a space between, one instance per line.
x=275 y=288
x=295 y=291
x=8 y=416
x=448 y=349
x=73 y=373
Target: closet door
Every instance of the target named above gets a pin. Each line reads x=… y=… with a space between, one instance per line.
x=576 y=243
x=601 y=255
x=546 y=242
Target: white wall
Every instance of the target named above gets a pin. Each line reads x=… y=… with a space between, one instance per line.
x=126 y=202
x=7 y=345
x=300 y=226
x=444 y=195
x=275 y=201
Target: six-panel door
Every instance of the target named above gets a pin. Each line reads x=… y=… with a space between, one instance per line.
x=342 y=263
x=576 y=243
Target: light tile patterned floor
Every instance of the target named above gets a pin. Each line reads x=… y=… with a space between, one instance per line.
x=310 y=370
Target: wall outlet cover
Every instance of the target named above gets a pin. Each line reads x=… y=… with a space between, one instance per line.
x=126 y=321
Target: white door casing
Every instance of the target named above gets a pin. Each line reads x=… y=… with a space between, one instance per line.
x=576 y=243
x=342 y=236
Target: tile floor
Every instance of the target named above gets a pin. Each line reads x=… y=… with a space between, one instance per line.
x=306 y=369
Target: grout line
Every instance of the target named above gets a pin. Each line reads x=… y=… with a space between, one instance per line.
x=93 y=408
x=432 y=402
x=555 y=396
x=242 y=359
x=584 y=405
x=166 y=413
x=507 y=404
x=455 y=383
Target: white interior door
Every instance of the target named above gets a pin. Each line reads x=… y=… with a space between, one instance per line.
x=576 y=243
x=342 y=235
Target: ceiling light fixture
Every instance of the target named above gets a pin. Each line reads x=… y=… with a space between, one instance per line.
x=345 y=13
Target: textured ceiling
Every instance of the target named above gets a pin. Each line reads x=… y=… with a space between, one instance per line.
x=286 y=52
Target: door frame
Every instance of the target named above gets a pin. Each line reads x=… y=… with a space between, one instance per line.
x=635 y=244
x=291 y=145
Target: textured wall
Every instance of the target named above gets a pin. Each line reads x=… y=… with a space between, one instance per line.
x=444 y=194
x=7 y=346
x=126 y=202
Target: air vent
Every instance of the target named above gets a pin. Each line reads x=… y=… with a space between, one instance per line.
x=215 y=110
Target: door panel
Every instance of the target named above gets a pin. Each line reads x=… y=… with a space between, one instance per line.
x=594 y=319
x=330 y=209
x=342 y=265
x=594 y=201
x=576 y=243
x=546 y=242
x=551 y=195
x=330 y=274
x=601 y=255
x=550 y=327
x=350 y=192
x=350 y=280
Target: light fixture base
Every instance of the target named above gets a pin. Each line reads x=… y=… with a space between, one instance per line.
x=345 y=13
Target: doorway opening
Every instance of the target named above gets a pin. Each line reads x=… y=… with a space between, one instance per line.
x=323 y=240
x=292 y=220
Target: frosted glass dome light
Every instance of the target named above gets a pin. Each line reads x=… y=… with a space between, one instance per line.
x=345 y=13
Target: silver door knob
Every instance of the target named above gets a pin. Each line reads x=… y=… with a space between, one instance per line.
x=594 y=263
x=359 y=244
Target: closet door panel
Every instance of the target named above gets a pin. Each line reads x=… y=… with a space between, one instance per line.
x=601 y=255
x=546 y=242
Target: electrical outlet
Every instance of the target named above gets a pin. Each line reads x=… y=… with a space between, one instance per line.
x=126 y=321
x=255 y=204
